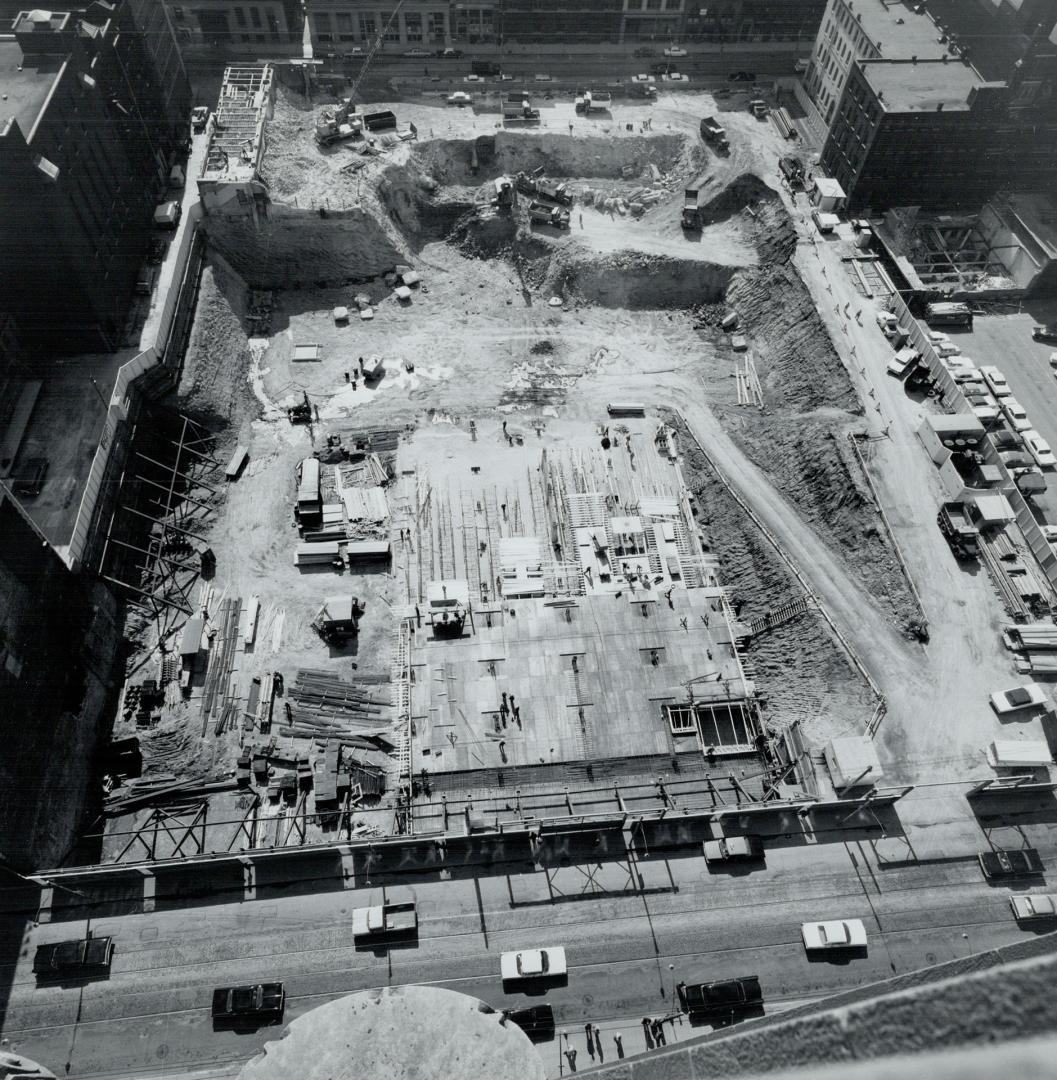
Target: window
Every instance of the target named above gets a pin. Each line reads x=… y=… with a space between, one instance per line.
x=344 y=21
x=653 y=5
x=436 y=25
x=413 y=26
x=367 y=27
x=240 y=17
x=392 y=26
x=255 y=17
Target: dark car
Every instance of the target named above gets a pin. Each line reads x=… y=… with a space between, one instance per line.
x=264 y=1001
x=536 y=1021
x=663 y=69
x=742 y=76
x=1045 y=333
x=998 y=864
x=30 y=476
x=1004 y=439
x=86 y=957
x=720 y=998
x=449 y=54
x=644 y=50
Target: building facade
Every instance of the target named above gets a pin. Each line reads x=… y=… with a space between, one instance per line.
x=936 y=134
x=93 y=118
x=263 y=28
x=734 y=21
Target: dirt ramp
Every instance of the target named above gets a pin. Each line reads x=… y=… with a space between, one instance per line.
x=291 y=248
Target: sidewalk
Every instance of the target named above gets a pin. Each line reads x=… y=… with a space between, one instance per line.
x=632 y=1036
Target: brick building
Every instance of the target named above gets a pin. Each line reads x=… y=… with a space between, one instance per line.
x=264 y=28
x=753 y=20
x=936 y=134
x=97 y=105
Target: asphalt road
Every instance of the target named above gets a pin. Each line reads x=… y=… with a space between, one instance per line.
x=153 y=1012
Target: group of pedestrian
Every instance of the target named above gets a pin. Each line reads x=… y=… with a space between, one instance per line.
x=508 y=707
x=593 y=1034
x=654 y=1031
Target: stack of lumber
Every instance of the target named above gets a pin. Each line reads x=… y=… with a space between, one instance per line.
x=322 y=695
x=1030 y=637
x=221 y=660
x=148 y=792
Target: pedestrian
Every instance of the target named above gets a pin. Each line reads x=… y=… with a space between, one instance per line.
x=598 y=1042
x=571 y=1056
x=581 y=219
x=668 y=597
x=570 y=127
x=517 y=715
x=289 y=713
x=354 y=384
x=619 y=1040
x=647 y=1031
x=504 y=427
x=658 y=1033
x=588 y=1031
x=346 y=376
x=425 y=71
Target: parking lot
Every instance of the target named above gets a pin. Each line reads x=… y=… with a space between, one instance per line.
x=1005 y=341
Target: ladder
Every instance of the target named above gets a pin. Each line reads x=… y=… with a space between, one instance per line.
x=779 y=615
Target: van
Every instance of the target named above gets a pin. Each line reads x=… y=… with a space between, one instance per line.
x=145 y=280
x=309 y=506
x=167 y=215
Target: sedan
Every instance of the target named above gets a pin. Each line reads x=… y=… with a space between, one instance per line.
x=473 y=78
x=675 y=50
x=417 y=54
x=533 y=964
x=642 y=78
x=675 y=76
x=999 y=864
x=729 y=996
x=843 y=934
x=1039 y=449
x=460 y=98
x=741 y=76
x=1016 y=414
x=1045 y=333
x=1018 y=697
x=1030 y=906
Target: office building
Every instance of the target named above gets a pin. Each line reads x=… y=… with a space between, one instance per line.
x=96 y=107
x=753 y=20
x=263 y=28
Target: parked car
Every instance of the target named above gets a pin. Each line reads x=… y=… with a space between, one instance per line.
x=29 y=476
x=75 y=959
x=642 y=78
x=449 y=54
x=1028 y=906
x=536 y=1021
x=263 y=1001
x=998 y=864
x=720 y=998
x=199 y=117
x=996 y=380
x=167 y=215
x=473 y=78
x=644 y=50
x=416 y=54
x=1016 y=414
x=356 y=50
x=840 y=934
x=460 y=98
x=675 y=76
x=1018 y=697
x=1004 y=439
x=1050 y=532
x=543 y=78
x=742 y=76
x=546 y=963
x=1039 y=449
x=675 y=50
x=1045 y=333
x=730 y=848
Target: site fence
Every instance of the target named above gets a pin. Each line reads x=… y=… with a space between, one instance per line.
x=1039 y=546
x=176 y=286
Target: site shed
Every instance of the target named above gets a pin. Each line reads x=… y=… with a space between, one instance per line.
x=1018 y=753
x=853 y=762
x=992 y=510
x=191 y=640
x=305 y=352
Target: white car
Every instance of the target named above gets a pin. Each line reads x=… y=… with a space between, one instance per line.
x=996 y=380
x=1034 y=906
x=543 y=78
x=1039 y=449
x=473 y=78
x=675 y=50
x=948 y=348
x=675 y=76
x=937 y=337
x=460 y=97
x=1053 y=361
x=649 y=78
x=1050 y=532
x=841 y=934
x=1017 y=698
x=533 y=964
x=1016 y=414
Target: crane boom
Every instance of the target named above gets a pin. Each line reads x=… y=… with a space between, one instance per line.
x=375 y=46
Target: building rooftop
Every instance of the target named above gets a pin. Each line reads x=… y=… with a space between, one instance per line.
x=897 y=30
x=27 y=82
x=1037 y=212
x=925 y=86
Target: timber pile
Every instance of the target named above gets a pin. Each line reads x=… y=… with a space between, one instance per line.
x=321 y=695
x=1030 y=637
x=147 y=792
x=221 y=660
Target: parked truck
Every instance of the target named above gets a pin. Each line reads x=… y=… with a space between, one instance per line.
x=599 y=101
x=961 y=533
x=519 y=107
x=384 y=921
x=712 y=131
x=484 y=67
x=691 y=218
x=557 y=216
x=949 y=314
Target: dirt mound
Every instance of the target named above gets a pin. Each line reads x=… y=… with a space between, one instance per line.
x=747 y=191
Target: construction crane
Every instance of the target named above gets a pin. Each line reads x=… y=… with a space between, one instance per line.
x=375 y=46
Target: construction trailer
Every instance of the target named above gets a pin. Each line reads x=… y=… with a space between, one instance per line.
x=691 y=217
x=338 y=618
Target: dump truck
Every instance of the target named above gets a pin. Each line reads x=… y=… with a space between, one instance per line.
x=599 y=101
x=691 y=217
x=961 y=533
x=516 y=107
x=384 y=921
x=545 y=189
x=712 y=131
x=549 y=215
x=793 y=170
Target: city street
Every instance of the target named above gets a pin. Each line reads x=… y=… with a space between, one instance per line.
x=626 y=947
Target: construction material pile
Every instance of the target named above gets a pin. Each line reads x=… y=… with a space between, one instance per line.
x=324 y=707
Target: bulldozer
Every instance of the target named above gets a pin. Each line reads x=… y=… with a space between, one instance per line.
x=301 y=413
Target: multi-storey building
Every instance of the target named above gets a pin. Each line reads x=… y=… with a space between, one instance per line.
x=866 y=30
x=753 y=20
x=264 y=27
x=936 y=134
x=94 y=111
